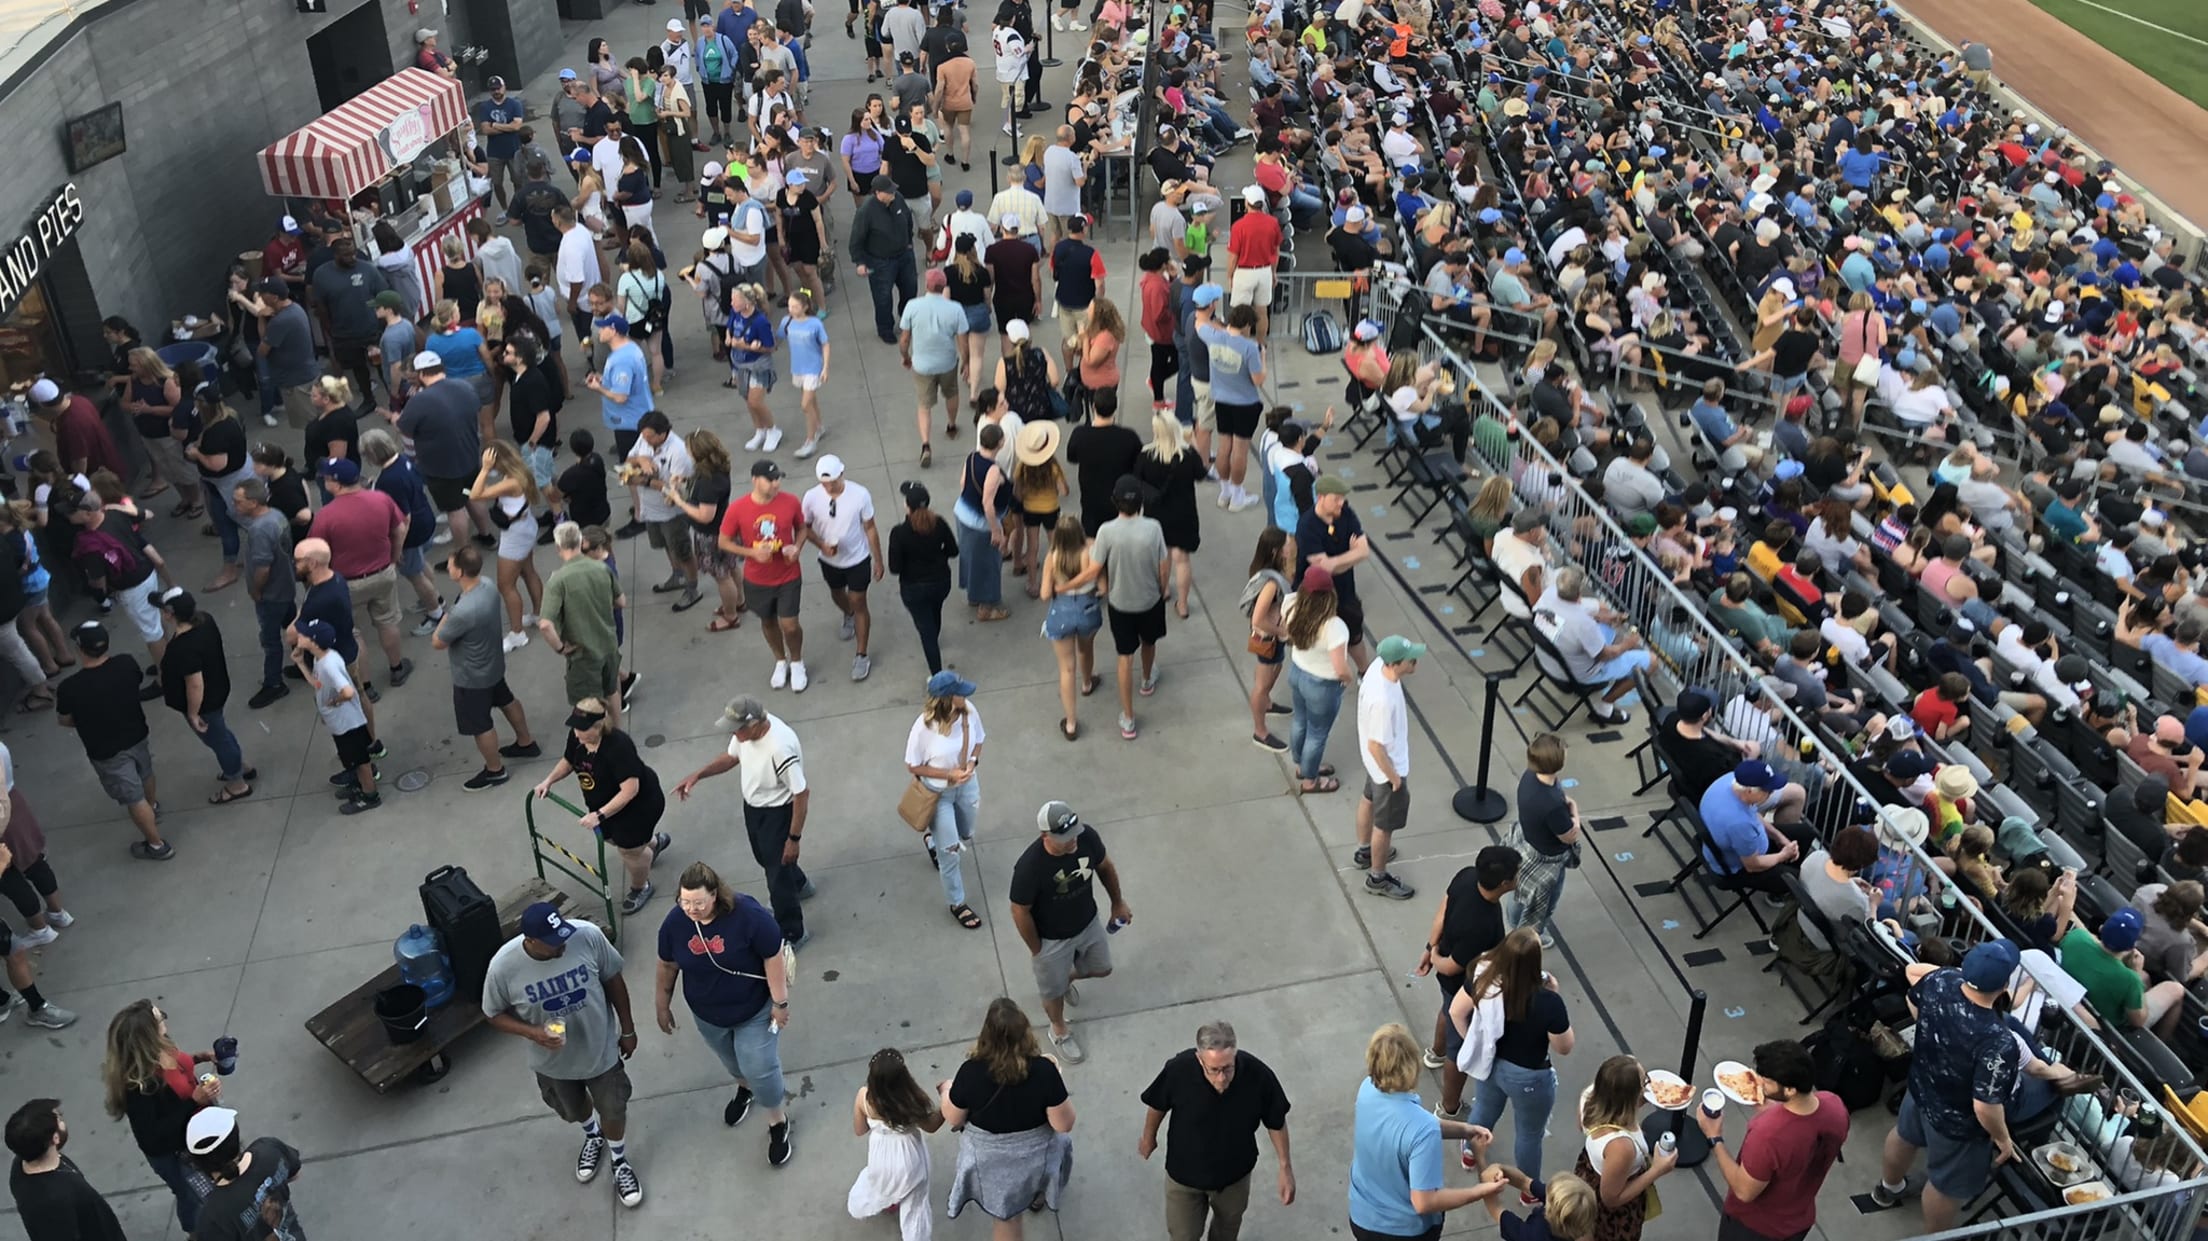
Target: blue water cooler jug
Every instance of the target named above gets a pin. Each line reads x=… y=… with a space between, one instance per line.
x=422 y=962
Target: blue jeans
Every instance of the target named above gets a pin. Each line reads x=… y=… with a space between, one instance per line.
x=955 y=813
x=189 y=1186
x=219 y=492
x=980 y=566
x=270 y=399
x=1317 y=700
x=1532 y=1093
x=273 y=617
x=224 y=743
x=751 y=1053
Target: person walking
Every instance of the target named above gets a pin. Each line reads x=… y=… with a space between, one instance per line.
x=727 y=951
x=195 y=682
x=1217 y=1096
x=1053 y=898
x=767 y=528
x=932 y=334
x=623 y=384
x=1014 y=1119
x=1396 y=1192
x=1101 y=452
x=1319 y=674
x=1070 y=578
x=1170 y=467
x=1039 y=483
x=1791 y=1143
x=397 y=476
x=99 y=702
x=1237 y=395
x=921 y=548
x=810 y=352
x=657 y=465
x=881 y=251
x=1263 y=601
x=770 y=767
x=943 y=753
x=581 y=603
x=505 y=483
x=621 y=793
x=1521 y=1022
x=269 y=582
x=1130 y=551
x=839 y=520
x=470 y=629
x=52 y=1197
x=984 y=498
x=157 y=1087
x=441 y=421
x=891 y=1112
x=366 y=534
x=339 y=702
x=558 y=984
x=1547 y=836
x=1384 y=745
x=1614 y=1157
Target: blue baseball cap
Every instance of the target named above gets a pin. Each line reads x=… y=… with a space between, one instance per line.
x=1489 y=215
x=2121 y=932
x=542 y=922
x=1513 y=256
x=965 y=198
x=1990 y=965
x=1207 y=294
x=947 y=682
x=618 y=323
x=342 y=470
x=567 y=75
x=1757 y=774
x=800 y=178
x=319 y=632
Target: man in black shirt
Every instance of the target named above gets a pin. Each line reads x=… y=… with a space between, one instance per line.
x=1053 y=900
x=99 y=702
x=1330 y=536
x=1547 y=837
x=881 y=251
x=1698 y=757
x=1469 y=922
x=51 y=1194
x=195 y=681
x=1217 y=1096
x=1101 y=453
x=907 y=156
x=534 y=202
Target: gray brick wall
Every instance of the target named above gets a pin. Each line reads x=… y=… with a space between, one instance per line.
x=204 y=84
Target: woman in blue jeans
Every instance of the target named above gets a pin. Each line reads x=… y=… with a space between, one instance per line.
x=219 y=453
x=727 y=950
x=985 y=495
x=1533 y=1027
x=943 y=752
x=196 y=680
x=1319 y=673
x=154 y=1084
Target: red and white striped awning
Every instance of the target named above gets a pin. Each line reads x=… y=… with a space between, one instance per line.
x=358 y=144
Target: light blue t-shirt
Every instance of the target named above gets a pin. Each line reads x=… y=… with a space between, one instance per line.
x=627 y=373
x=1398 y=1149
x=1714 y=421
x=935 y=323
x=461 y=349
x=1734 y=825
x=1234 y=360
x=808 y=339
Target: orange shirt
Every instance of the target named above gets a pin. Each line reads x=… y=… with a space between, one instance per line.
x=955 y=78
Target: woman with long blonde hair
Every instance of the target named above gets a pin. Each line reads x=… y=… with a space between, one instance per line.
x=152 y=1083
x=1172 y=467
x=1096 y=348
x=508 y=489
x=154 y=398
x=703 y=498
x=1073 y=590
x=1614 y=1159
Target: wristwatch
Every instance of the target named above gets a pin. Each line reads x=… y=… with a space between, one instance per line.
x=781 y=1003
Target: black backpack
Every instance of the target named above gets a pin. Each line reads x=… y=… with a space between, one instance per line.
x=1847 y=1064
x=1410 y=322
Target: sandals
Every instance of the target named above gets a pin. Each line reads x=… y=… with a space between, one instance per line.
x=1090 y=687
x=966 y=917
x=723 y=622
x=34 y=703
x=1324 y=784
x=1069 y=729
x=224 y=797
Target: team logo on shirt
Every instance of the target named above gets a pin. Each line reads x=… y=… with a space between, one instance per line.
x=700 y=945
x=1082 y=872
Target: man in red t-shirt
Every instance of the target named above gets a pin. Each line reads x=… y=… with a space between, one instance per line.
x=767 y=529
x=80 y=437
x=1253 y=247
x=366 y=532
x=285 y=255
x=1771 y=1189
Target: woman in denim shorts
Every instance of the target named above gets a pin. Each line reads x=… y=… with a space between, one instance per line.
x=1076 y=613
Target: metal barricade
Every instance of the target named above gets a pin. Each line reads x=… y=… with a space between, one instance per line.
x=543 y=850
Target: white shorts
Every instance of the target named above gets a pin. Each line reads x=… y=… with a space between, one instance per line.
x=134 y=604
x=1252 y=286
x=518 y=541
x=806 y=383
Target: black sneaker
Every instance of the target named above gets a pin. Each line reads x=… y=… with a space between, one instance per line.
x=779 y=1146
x=586 y=1162
x=292 y=673
x=149 y=691
x=347 y=780
x=369 y=690
x=401 y=673
x=738 y=1108
x=487 y=779
x=631 y=530
x=266 y=695
x=376 y=750
x=361 y=803
x=518 y=750
x=629 y=681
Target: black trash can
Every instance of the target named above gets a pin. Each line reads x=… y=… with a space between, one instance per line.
x=404 y=1011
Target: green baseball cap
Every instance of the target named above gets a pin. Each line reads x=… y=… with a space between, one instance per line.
x=1397 y=649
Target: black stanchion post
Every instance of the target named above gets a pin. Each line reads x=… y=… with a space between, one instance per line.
x=1050 y=46
x=1476 y=802
x=992 y=172
x=1012 y=115
x=1693 y=1147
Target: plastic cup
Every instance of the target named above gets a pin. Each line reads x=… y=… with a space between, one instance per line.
x=556 y=1028
x=1713 y=1101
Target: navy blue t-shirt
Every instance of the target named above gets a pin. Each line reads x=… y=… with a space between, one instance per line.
x=403 y=483
x=332 y=601
x=501 y=145
x=1073 y=264
x=1316 y=535
x=717 y=958
x=1965 y=1055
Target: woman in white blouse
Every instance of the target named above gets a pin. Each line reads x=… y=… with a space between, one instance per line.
x=942 y=752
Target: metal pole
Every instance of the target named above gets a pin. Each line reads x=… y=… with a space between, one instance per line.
x=993 y=187
x=1050 y=45
x=1693 y=1147
x=1012 y=115
x=1476 y=802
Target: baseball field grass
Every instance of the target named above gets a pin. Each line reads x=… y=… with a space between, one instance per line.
x=2167 y=39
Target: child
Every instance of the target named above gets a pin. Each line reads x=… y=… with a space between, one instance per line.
x=808 y=340
x=891 y=1112
x=339 y=705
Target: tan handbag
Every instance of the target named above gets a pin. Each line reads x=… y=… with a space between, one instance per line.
x=917 y=806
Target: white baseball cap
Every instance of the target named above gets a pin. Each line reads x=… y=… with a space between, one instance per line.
x=208 y=1129
x=828 y=468
x=1254 y=195
x=675 y=24
x=1016 y=329
x=45 y=392
x=428 y=360
x=714 y=238
x=1009 y=222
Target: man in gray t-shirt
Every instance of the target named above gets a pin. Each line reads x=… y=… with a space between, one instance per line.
x=474 y=630
x=1130 y=549
x=269 y=580
x=558 y=984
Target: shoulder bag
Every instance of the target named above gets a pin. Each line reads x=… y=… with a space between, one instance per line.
x=1865 y=374
x=917 y=806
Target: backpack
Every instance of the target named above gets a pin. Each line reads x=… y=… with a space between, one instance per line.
x=1410 y=322
x=1847 y=1064
x=1322 y=333
x=117 y=563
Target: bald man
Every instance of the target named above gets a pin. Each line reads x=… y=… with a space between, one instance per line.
x=326 y=597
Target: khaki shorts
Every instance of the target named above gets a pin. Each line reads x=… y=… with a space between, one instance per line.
x=964 y=116
x=1070 y=322
x=1207 y=410
x=1088 y=953
x=928 y=387
x=592 y=676
x=378 y=593
x=298 y=410
x=573 y=1101
x=1251 y=286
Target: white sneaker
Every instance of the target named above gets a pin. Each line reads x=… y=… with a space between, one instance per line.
x=798 y=679
x=774 y=437
x=1077 y=25
x=805 y=449
x=515 y=641
x=781 y=675
x=37 y=939
x=757 y=438
x=529 y=620
x=444 y=536
x=60 y=919
x=1057 y=21
x=269 y=420
x=1007 y=128
x=1226 y=495
x=1242 y=500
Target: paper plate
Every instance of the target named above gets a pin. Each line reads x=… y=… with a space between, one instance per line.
x=1681 y=1087
x=1730 y=1068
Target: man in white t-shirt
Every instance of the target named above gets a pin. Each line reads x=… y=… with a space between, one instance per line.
x=770 y=766
x=574 y=270
x=747 y=232
x=665 y=461
x=839 y=521
x=1399 y=145
x=1384 y=744
x=1521 y=554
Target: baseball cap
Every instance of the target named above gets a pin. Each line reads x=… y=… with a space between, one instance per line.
x=209 y=1128
x=2121 y=931
x=965 y=198
x=343 y=470
x=1201 y=206
x=1694 y=704
x=829 y=468
x=936 y=280
x=387 y=300
x=675 y=24
x=1127 y=488
x=1016 y=329
x=884 y=185
x=1366 y=329
x=1253 y=195
x=1316 y=577
x=175 y=597
x=1489 y=215
x=799 y=178
x=428 y=361
x=496 y=83
x=424 y=35
x=1909 y=765
x=618 y=323
x=715 y=237
x=743 y=712
x=1329 y=485
x=1513 y=256
x=579 y=719
x=45 y=392
x=1207 y=294
x=1757 y=774
x=289 y=224
x=273 y=286
x=567 y=75
x=1355 y=215
x=1009 y=222
x=1640 y=525
x=1397 y=649
x=1991 y=965
x=91 y=637
x=764 y=468
x=948 y=682
x=319 y=632
x=542 y=922
x=1056 y=818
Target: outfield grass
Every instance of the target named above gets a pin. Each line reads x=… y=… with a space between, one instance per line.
x=2178 y=63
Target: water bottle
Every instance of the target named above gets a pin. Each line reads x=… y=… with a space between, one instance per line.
x=422 y=962
x=1666 y=1142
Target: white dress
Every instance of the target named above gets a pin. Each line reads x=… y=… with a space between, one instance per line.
x=895 y=1179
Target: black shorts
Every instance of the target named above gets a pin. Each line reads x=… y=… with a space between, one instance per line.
x=1131 y=631
x=623 y=441
x=450 y=495
x=352 y=747
x=1039 y=521
x=471 y=708
x=1352 y=611
x=854 y=579
x=1239 y=421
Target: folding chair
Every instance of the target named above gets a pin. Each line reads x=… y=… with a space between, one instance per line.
x=1555 y=695
x=1713 y=884
x=1788 y=973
